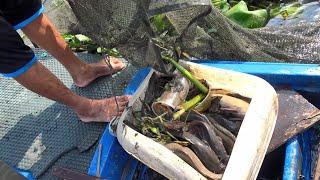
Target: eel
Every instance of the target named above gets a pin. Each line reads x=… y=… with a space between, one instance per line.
x=234 y=106
x=232 y=126
x=189 y=157
x=204 y=131
x=227 y=137
x=204 y=152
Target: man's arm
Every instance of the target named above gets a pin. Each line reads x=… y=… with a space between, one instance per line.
x=18 y=61
x=42 y=32
x=45 y=34
x=41 y=81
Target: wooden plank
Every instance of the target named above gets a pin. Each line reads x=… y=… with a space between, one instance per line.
x=68 y=174
x=7 y=173
x=295 y=115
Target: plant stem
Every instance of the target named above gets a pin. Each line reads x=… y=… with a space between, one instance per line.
x=188 y=105
x=187 y=74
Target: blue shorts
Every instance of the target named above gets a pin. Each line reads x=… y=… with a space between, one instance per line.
x=15 y=57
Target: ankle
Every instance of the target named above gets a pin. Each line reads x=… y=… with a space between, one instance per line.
x=79 y=74
x=83 y=106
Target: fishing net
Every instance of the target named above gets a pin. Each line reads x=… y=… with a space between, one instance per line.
x=197 y=30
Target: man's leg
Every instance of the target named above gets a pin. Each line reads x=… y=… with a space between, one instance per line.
x=43 y=32
x=41 y=81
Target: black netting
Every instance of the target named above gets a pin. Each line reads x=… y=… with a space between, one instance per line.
x=200 y=30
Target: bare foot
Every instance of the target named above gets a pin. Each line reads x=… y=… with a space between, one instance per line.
x=102 y=68
x=103 y=110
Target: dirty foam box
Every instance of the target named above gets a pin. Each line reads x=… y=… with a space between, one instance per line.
x=252 y=140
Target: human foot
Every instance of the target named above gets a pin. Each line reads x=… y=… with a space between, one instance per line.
x=103 y=110
x=107 y=66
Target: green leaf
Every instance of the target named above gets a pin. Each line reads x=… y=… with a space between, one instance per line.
x=74 y=43
x=82 y=38
x=289 y=11
x=223 y=5
x=249 y=19
x=81 y=42
x=160 y=22
x=292 y=10
x=99 y=50
x=275 y=11
x=67 y=37
x=102 y=50
x=154 y=130
x=113 y=52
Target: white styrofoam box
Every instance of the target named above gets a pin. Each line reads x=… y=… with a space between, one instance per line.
x=252 y=141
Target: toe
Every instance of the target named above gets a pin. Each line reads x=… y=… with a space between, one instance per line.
x=119 y=114
x=121 y=109
x=116 y=63
x=123 y=98
x=128 y=97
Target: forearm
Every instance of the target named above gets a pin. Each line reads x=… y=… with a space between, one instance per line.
x=43 y=33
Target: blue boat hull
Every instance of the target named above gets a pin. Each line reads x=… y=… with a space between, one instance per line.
x=305 y=78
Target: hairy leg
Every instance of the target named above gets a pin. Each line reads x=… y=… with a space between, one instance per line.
x=41 y=81
x=43 y=32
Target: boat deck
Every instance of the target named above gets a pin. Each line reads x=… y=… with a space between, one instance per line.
x=38 y=134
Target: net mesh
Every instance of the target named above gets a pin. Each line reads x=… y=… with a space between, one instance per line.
x=201 y=31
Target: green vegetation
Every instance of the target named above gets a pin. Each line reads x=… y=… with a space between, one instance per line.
x=241 y=15
x=247 y=13
x=160 y=22
x=81 y=43
x=289 y=11
x=201 y=87
x=251 y=15
x=223 y=5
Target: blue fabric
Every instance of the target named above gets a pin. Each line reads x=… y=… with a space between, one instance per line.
x=30 y=19
x=22 y=69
